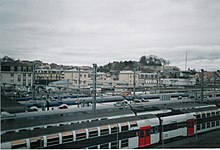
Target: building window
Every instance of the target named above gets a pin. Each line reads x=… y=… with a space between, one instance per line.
x=24 y=77
x=208 y=114
x=208 y=125
x=198 y=127
x=213 y=113
x=217 y=123
x=203 y=126
x=12 y=68
x=19 y=78
x=213 y=123
x=24 y=68
x=19 y=68
x=29 y=69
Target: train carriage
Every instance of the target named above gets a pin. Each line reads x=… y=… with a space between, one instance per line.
x=125 y=131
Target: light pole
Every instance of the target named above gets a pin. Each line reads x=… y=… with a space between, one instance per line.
x=162 y=137
x=94 y=88
x=196 y=127
x=202 y=82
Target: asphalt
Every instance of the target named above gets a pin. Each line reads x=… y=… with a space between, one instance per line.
x=205 y=140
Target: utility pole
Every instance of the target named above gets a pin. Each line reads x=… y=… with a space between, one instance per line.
x=214 y=80
x=134 y=80
x=202 y=81
x=94 y=88
x=33 y=84
x=186 y=61
x=78 y=91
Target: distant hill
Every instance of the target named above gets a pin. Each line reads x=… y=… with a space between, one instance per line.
x=150 y=60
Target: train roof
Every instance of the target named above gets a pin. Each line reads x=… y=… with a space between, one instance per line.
x=60 y=118
x=57 y=129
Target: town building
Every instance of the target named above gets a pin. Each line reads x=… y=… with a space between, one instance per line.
x=17 y=74
x=77 y=77
x=128 y=77
x=45 y=76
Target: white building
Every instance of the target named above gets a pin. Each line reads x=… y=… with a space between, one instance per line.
x=148 y=79
x=128 y=77
x=75 y=76
x=17 y=74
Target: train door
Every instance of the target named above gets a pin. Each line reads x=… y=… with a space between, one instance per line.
x=190 y=127
x=144 y=136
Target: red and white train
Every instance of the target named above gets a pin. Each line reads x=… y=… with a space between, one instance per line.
x=119 y=132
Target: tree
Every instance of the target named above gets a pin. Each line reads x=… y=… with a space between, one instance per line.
x=143 y=60
x=7 y=59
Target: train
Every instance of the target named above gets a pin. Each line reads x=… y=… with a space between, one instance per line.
x=120 y=131
x=87 y=100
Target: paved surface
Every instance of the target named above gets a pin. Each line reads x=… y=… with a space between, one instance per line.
x=205 y=140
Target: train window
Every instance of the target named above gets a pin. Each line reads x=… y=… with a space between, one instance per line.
x=208 y=114
x=154 y=130
x=203 y=126
x=18 y=144
x=142 y=134
x=114 y=130
x=133 y=124
x=52 y=140
x=147 y=132
x=104 y=131
x=217 y=123
x=22 y=130
x=114 y=145
x=198 y=127
x=10 y=132
x=213 y=123
x=67 y=136
x=104 y=146
x=124 y=143
x=36 y=142
x=93 y=133
x=37 y=128
x=80 y=136
x=124 y=128
x=198 y=116
x=203 y=115
x=208 y=125
x=217 y=113
x=213 y=113
x=93 y=147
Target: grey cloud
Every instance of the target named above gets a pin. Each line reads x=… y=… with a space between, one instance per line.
x=85 y=31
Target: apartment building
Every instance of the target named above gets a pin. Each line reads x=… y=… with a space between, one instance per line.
x=45 y=76
x=75 y=76
x=128 y=77
x=16 y=73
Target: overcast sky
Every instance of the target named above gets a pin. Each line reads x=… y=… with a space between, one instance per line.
x=82 y=32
